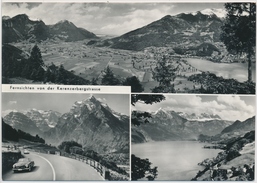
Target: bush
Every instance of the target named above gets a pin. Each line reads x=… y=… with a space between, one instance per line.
x=8 y=159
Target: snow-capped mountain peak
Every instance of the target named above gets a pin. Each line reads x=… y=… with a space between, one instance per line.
x=93 y=105
x=6 y=112
x=44 y=119
x=163 y=113
x=160 y=110
x=221 y=13
x=199 y=117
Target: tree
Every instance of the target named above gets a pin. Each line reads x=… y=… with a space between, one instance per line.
x=239 y=30
x=109 y=78
x=48 y=76
x=138 y=118
x=142 y=168
x=66 y=145
x=36 y=56
x=33 y=74
x=164 y=73
x=147 y=99
x=26 y=71
x=94 y=81
x=39 y=74
x=134 y=83
x=61 y=77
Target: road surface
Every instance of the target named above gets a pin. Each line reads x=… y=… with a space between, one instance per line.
x=53 y=167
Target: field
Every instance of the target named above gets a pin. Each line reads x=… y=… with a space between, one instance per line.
x=89 y=62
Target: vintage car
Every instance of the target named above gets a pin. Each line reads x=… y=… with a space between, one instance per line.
x=23 y=164
x=26 y=151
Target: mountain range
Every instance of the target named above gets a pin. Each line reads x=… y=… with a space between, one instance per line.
x=170 y=125
x=182 y=29
x=90 y=122
x=20 y=28
x=199 y=117
x=44 y=119
x=22 y=122
x=241 y=126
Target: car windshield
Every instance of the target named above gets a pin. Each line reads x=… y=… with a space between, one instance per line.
x=23 y=160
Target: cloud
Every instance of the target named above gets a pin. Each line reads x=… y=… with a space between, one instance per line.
x=235 y=102
x=100 y=18
x=135 y=18
x=227 y=107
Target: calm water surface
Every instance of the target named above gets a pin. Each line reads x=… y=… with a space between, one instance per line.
x=176 y=160
x=238 y=71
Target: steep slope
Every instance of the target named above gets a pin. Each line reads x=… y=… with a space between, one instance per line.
x=241 y=127
x=170 y=125
x=44 y=119
x=239 y=153
x=164 y=125
x=171 y=30
x=67 y=31
x=9 y=133
x=21 y=28
x=208 y=127
x=21 y=122
x=92 y=125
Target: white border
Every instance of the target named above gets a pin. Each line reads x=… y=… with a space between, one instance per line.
x=96 y=89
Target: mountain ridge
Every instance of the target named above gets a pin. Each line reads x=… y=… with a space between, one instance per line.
x=94 y=125
x=44 y=119
x=170 y=125
x=247 y=125
x=20 y=121
x=169 y=31
x=20 y=27
x=197 y=26
x=87 y=122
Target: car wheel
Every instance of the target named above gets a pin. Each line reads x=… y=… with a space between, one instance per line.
x=14 y=171
x=30 y=168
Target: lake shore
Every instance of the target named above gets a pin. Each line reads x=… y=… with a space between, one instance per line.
x=176 y=160
x=236 y=71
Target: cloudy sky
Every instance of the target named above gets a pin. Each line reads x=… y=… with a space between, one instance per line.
x=103 y=18
x=60 y=102
x=227 y=107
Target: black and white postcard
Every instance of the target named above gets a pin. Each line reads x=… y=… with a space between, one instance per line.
x=193 y=137
x=152 y=47
x=128 y=90
x=65 y=136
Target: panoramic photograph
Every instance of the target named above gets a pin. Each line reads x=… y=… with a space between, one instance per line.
x=192 y=137
x=152 y=47
x=74 y=137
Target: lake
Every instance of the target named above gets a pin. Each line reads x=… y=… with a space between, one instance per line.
x=176 y=160
x=238 y=71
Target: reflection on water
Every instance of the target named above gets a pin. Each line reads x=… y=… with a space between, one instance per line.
x=176 y=160
x=238 y=71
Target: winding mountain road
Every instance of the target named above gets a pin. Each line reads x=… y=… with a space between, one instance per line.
x=52 y=167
